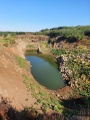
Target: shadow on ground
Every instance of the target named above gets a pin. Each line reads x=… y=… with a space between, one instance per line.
x=7 y=112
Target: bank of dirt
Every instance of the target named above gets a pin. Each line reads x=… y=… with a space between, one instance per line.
x=12 y=86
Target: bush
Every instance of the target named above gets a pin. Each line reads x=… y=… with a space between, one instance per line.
x=87 y=32
x=58 y=52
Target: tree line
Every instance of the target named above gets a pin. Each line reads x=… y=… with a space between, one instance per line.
x=76 y=33
x=5 y=34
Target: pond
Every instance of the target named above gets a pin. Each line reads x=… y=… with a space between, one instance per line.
x=45 y=72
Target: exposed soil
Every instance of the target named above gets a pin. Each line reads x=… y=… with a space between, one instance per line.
x=11 y=80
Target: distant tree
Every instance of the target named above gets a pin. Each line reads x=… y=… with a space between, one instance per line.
x=20 y=33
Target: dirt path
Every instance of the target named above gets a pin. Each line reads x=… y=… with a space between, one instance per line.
x=11 y=80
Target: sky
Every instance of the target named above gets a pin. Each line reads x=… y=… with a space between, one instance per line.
x=34 y=15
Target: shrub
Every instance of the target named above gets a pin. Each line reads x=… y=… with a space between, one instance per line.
x=87 y=32
x=58 y=52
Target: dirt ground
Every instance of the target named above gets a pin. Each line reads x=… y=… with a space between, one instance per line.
x=11 y=80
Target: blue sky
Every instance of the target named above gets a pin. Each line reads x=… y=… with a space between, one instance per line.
x=34 y=15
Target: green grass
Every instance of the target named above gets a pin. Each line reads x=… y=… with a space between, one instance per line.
x=31 y=52
x=42 y=97
x=8 y=41
x=21 y=62
x=30 y=46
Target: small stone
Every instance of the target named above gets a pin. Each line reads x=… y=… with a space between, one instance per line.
x=58 y=95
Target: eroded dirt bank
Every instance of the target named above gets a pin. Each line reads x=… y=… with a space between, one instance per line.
x=12 y=86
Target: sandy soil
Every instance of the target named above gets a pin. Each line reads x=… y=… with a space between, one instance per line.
x=11 y=80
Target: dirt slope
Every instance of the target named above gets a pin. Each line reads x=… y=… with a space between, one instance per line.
x=11 y=80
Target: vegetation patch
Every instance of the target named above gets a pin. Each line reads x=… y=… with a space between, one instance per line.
x=42 y=97
x=21 y=62
x=5 y=34
x=58 y=51
x=7 y=41
x=31 y=52
x=78 y=62
x=29 y=46
x=72 y=34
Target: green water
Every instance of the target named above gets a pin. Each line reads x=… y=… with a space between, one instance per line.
x=45 y=72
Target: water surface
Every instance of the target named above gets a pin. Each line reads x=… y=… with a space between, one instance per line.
x=45 y=73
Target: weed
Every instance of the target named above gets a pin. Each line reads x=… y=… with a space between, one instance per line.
x=30 y=46
x=42 y=98
x=8 y=41
x=21 y=62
